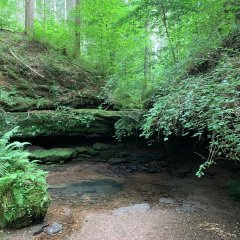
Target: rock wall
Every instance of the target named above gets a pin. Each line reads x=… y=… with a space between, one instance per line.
x=80 y=122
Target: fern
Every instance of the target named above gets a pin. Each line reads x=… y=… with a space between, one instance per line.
x=23 y=187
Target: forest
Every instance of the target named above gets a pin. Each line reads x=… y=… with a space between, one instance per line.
x=99 y=98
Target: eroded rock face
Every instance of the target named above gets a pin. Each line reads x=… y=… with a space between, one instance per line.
x=80 y=122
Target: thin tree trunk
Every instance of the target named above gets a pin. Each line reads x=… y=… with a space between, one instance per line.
x=29 y=16
x=65 y=10
x=55 y=10
x=164 y=20
x=44 y=14
x=147 y=54
x=77 y=29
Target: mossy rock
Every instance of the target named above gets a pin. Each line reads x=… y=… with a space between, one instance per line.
x=29 y=200
x=54 y=155
x=79 y=122
x=100 y=146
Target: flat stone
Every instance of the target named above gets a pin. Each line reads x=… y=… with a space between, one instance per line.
x=136 y=208
x=188 y=207
x=53 y=228
x=167 y=201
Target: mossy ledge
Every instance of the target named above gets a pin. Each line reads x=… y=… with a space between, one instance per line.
x=73 y=122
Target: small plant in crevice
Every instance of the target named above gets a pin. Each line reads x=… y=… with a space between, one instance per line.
x=24 y=198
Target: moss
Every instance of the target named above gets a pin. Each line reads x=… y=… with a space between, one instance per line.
x=29 y=203
x=26 y=88
x=82 y=122
x=54 y=155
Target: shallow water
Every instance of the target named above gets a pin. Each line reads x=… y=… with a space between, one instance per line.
x=78 y=189
x=86 y=190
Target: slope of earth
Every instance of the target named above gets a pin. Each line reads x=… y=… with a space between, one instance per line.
x=32 y=76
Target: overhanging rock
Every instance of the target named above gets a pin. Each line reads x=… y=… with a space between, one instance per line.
x=79 y=122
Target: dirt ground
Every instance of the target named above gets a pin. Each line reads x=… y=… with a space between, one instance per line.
x=201 y=208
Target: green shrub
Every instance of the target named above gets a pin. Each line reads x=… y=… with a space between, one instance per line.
x=206 y=105
x=233 y=187
x=23 y=189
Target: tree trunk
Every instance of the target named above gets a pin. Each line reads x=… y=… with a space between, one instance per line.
x=55 y=9
x=29 y=16
x=147 y=54
x=65 y=10
x=44 y=14
x=165 y=25
x=77 y=29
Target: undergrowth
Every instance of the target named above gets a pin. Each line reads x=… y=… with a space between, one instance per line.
x=23 y=188
x=207 y=105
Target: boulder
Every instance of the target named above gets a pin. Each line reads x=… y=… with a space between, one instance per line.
x=53 y=228
x=54 y=155
x=106 y=154
x=100 y=146
x=123 y=154
x=82 y=150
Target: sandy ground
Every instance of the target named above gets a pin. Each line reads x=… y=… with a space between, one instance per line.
x=202 y=209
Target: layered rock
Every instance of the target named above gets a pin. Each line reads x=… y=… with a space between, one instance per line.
x=80 y=122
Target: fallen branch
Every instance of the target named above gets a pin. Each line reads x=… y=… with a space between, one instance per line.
x=40 y=75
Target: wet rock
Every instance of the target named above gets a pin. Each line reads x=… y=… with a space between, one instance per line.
x=117 y=160
x=106 y=154
x=53 y=228
x=163 y=163
x=93 y=152
x=54 y=155
x=154 y=156
x=84 y=156
x=167 y=201
x=188 y=207
x=122 y=154
x=81 y=150
x=180 y=171
x=119 y=146
x=154 y=167
x=32 y=148
x=100 y=146
x=142 y=207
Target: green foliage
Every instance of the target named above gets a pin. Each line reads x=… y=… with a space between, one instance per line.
x=23 y=187
x=8 y=10
x=206 y=105
x=128 y=125
x=125 y=127
x=233 y=187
